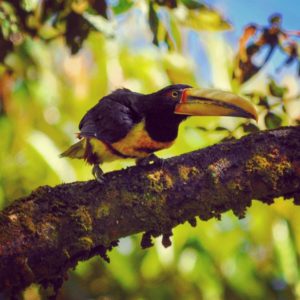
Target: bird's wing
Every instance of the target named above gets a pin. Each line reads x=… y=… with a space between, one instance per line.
x=108 y=121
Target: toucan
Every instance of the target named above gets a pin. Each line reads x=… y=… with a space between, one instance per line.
x=126 y=124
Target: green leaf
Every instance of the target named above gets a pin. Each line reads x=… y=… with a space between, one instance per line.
x=175 y=33
x=272 y=121
x=122 y=6
x=193 y=4
x=276 y=90
x=29 y=5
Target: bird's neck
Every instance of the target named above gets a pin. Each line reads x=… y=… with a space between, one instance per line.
x=161 y=125
x=163 y=128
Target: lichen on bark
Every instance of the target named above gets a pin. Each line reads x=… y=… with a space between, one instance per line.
x=49 y=231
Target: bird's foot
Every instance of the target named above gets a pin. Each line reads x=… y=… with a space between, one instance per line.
x=152 y=158
x=98 y=173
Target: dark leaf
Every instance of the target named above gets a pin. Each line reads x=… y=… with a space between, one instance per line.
x=263 y=101
x=23 y=17
x=251 y=50
x=201 y=128
x=168 y=3
x=193 y=4
x=5 y=47
x=275 y=18
x=250 y=127
x=193 y=243
x=220 y=128
x=284 y=108
x=272 y=121
x=168 y=41
x=245 y=70
x=77 y=30
x=51 y=9
x=153 y=22
x=100 y=7
x=249 y=32
x=270 y=36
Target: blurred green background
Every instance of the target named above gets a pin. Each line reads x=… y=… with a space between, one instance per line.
x=58 y=58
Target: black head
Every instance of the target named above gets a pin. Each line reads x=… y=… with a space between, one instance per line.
x=159 y=107
x=166 y=99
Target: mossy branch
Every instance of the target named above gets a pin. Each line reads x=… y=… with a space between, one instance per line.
x=48 y=232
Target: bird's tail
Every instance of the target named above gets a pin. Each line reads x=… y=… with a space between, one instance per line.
x=75 y=151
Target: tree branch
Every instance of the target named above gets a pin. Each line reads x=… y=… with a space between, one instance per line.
x=48 y=232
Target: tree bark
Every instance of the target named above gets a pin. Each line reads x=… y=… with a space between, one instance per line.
x=49 y=231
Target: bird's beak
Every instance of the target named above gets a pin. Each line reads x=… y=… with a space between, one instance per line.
x=210 y=102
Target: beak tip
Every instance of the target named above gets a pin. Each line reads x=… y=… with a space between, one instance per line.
x=254 y=116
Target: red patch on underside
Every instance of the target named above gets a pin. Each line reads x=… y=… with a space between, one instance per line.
x=145 y=144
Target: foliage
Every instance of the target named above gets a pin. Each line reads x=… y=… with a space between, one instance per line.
x=272 y=36
x=44 y=91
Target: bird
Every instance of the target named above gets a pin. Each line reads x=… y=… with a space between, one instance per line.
x=126 y=124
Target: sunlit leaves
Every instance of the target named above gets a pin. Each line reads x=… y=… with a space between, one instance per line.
x=121 y=6
x=164 y=28
x=9 y=30
x=100 y=24
x=73 y=20
x=178 y=67
x=29 y=5
x=203 y=19
x=8 y=20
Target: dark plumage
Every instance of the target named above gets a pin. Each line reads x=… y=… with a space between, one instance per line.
x=114 y=115
x=125 y=124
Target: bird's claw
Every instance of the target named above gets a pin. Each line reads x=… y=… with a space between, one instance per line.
x=98 y=173
x=152 y=158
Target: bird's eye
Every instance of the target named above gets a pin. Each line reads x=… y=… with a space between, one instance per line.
x=175 y=94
